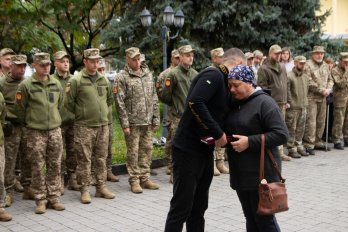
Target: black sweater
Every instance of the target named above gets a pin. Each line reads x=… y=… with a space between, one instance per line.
x=258 y=114
x=204 y=111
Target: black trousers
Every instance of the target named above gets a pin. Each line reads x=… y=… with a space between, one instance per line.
x=193 y=174
x=254 y=221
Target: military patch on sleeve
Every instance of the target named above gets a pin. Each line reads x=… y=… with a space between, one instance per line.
x=167 y=83
x=114 y=89
x=67 y=87
x=19 y=96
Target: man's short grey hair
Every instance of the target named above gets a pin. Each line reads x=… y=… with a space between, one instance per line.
x=234 y=56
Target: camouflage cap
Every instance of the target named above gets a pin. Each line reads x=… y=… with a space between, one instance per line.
x=60 y=55
x=91 y=53
x=249 y=55
x=258 y=53
x=217 y=52
x=344 y=56
x=175 y=53
x=6 y=51
x=101 y=63
x=185 y=49
x=41 y=58
x=19 y=59
x=319 y=49
x=275 y=48
x=300 y=59
x=132 y=52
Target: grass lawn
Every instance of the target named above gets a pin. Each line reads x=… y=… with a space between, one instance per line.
x=119 y=149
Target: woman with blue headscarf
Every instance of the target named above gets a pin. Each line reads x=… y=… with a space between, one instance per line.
x=253 y=112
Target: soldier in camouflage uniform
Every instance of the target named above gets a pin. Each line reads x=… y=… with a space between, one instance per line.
x=38 y=100
x=219 y=152
x=340 y=101
x=62 y=74
x=138 y=112
x=4 y=216
x=5 y=61
x=89 y=96
x=320 y=85
x=296 y=114
x=15 y=138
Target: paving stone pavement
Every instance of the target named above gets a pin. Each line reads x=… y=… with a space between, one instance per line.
x=317 y=188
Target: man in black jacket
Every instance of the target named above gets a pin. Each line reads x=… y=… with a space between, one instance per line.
x=193 y=160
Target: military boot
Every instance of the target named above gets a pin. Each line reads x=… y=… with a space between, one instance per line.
x=104 y=192
x=28 y=194
x=310 y=151
x=85 y=197
x=338 y=146
x=18 y=186
x=216 y=171
x=57 y=206
x=4 y=216
x=72 y=183
x=148 y=184
x=8 y=199
x=135 y=187
x=294 y=154
x=220 y=165
x=302 y=152
x=62 y=186
x=40 y=206
x=285 y=157
x=111 y=177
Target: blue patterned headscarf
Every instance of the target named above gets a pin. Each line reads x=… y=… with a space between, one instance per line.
x=242 y=73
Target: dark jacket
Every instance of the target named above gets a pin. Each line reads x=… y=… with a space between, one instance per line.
x=256 y=115
x=203 y=114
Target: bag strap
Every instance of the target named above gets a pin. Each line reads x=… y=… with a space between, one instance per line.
x=262 y=161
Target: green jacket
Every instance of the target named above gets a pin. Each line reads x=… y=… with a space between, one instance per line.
x=2 y=117
x=297 y=89
x=177 y=89
x=8 y=88
x=38 y=103
x=136 y=98
x=319 y=79
x=89 y=100
x=65 y=114
x=340 y=87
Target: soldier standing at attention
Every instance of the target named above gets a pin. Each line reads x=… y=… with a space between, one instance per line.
x=175 y=89
x=138 y=112
x=320 y=85
x=62 y=74
x=89 y=96
x=272 y=76
x=219 y=152
x=15 y=133
x=5 y=61
x=340 y=101
x=38 y=100
x=109 y=175
x=295 y=117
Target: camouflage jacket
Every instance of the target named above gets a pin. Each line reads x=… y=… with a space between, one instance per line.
x=340 y=86
x=8 y=88
x=177 y=85
x=297 y=89
x=65 y=114
x=2 y=116
x=89 y=99
x=136 y=98
x=319 y=79
x=38 y=103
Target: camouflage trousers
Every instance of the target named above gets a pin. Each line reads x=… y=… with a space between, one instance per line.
x=69 y=162
x=91 y=143
x=45 y=152
x=340 y=124
x=295 y=120
x=315 y=124
x=2 y=181
x=172 y=125
x=282 y=107
x=139 y=152
x=15 y=150
x=219 y=153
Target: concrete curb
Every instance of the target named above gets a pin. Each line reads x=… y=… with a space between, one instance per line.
x=120 y=169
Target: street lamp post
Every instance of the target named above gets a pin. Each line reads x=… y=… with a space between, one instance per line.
x=169 y=18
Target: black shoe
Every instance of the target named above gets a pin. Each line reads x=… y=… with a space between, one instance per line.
x=338 y=146
x=302 y=153
x=310 y=151
x=294 y=155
